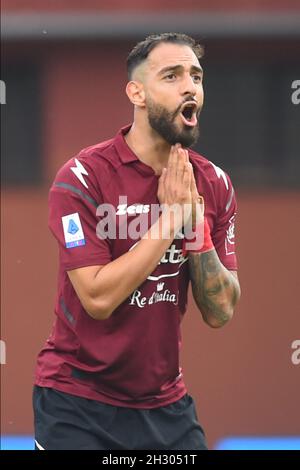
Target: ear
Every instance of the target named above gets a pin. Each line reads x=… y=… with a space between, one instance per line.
x=136 y=94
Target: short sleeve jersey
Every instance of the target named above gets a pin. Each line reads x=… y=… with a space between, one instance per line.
x=97 y=203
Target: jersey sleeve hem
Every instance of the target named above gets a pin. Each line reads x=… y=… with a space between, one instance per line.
x=230 y=266
x=94 y=260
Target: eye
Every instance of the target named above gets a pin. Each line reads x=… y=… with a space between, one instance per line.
x=170 y=77
x=197 y=78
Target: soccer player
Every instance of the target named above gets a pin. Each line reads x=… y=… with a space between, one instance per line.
x=108 y=376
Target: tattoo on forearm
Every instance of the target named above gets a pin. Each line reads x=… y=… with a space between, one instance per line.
x=215 y=289
x=210 y=264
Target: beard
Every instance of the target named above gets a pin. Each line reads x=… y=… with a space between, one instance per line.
x=163 y=122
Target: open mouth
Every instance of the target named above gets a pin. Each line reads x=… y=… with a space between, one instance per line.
x=188 y=114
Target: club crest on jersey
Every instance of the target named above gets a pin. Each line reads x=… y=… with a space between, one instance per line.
x=73 y=232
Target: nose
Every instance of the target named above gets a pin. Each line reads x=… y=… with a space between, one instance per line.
x=189 y=87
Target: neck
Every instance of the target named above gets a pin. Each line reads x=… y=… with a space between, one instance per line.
x=148 y=146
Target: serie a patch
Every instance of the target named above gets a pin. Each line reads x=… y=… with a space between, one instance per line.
x=73 y=232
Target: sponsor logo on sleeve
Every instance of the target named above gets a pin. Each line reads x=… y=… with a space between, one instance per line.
x=230 y=237
x=73 y=232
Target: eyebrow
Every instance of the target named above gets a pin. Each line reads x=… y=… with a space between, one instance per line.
x=178 y=68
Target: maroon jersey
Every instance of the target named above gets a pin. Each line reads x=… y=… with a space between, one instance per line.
x=132 y=358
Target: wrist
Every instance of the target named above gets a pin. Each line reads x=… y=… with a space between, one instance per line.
x=175 y=215
x=166 y=226
x=199 y=240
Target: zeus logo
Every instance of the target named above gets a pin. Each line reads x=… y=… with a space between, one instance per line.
x=220 y=174
x=133 y=210
x=79 y=171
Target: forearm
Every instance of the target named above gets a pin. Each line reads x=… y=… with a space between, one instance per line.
x=215 y=289
x=114 y=282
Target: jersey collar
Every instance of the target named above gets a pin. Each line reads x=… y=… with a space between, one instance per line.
x=125 y=153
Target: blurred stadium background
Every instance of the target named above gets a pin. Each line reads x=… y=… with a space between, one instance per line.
x=63 y=63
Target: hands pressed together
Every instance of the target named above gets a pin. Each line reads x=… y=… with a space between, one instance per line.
x=177 y=188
